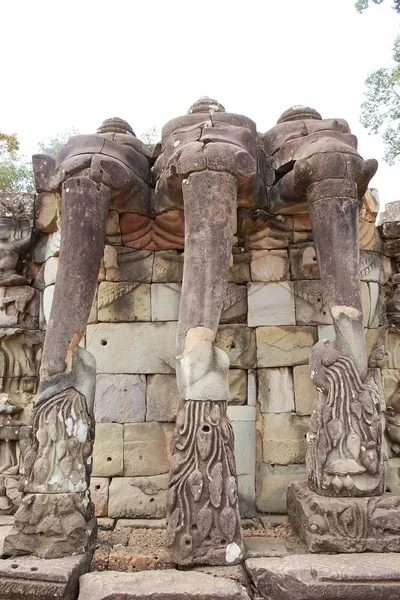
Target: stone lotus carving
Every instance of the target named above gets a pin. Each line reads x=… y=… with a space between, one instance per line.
x=345 y=434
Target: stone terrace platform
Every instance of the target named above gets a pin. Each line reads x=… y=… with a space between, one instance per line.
x=277 y=567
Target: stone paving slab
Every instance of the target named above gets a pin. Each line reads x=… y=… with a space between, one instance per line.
x=161 y=585
x=367 y=576
x=31 y=578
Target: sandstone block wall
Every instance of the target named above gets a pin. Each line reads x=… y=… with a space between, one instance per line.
x=273 y=313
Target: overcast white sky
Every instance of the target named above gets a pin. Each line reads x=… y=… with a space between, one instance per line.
x=73 y=64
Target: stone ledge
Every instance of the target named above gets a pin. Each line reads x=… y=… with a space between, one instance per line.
x=40 y=579
x=163 y=585
x=333 y=577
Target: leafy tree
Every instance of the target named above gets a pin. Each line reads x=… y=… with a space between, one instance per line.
x=16 y=173
x=52 y=145
x=15 y=169
x=361 y=5
x=380 y=112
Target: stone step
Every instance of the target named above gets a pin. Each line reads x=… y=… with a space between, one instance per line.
x=159 y=585
x=31 y=578
x=366 y=576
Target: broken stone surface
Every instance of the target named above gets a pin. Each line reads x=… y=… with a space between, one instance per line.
x=329 y=524
x=128 y=265
x=99 y=495
x=284 y=346
x=338 y=576
x=311 y=306
x=239 y=343
x=120 y=398
x=162 y=398
x=275 y=390
x=123 y=302
x=203 y=373
x=145 y=450
x=271 y=304
x=38 y=579
x=303 y=263
x=108 y=450
x=269 y=265
x=168 y=584
x=272 y=484
x=167 y=267
x=138 y=497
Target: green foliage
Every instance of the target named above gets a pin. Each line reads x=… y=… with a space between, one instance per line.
x=8 y=143
x=53 y=144
x=16 y=174
x=380 y=113
x=362 y=5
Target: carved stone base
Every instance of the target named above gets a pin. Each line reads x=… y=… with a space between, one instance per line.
x=52 y=526
x=203 y=515
x=344 y=524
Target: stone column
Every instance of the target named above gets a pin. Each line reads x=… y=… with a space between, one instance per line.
x=203 y=515
x=56 y=517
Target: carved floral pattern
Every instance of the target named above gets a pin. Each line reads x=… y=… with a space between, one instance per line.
x=344 y=455
x=204 y=521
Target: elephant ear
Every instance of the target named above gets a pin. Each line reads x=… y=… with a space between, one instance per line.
x=43 y=169
x=366 y=171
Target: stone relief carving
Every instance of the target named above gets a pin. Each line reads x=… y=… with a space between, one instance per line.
x=344 y=457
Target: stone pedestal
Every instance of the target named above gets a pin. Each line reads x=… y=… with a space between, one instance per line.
x=345 y=524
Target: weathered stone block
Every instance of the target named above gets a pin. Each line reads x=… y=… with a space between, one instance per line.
x=251 y=387
x=239 y=342
x=99 y=495
x=284 y=438
x=145 y=450
x=122 y=302
x=374 y=298
x=304 y=390
x=245 y=446
x=239 y=271
x=275 y=390
x=392 y=472
x=303 y=263
x=234 y=306
x=108 y=450
x=138 y=497
x=162 y=398
x=284 y=346
x=366 y=302
x=330 y=524
x=272 y=483
x=33 y=578
x=120 y=398
x=311 y=307
x=133 y=347
x=247 y=495
x=271 y=304
x=131 y=265
x=237 y=386
x=165 y=298
x=168 y=266
x=269 y=265
x=163 y=584
x=339 y=576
